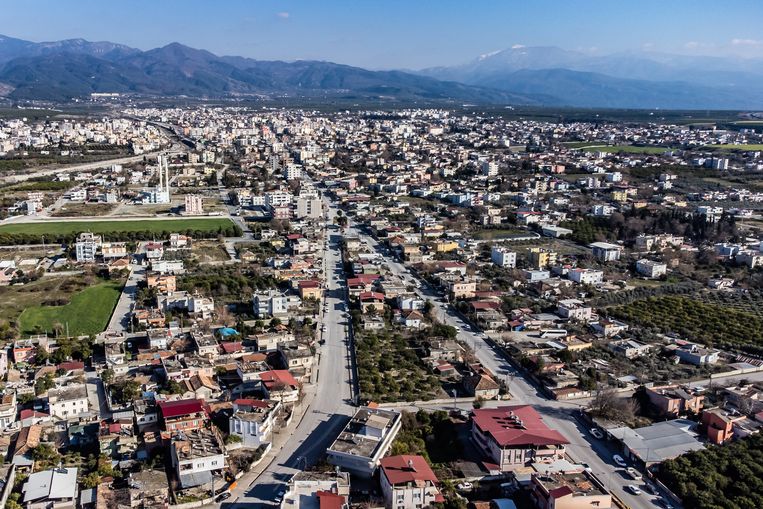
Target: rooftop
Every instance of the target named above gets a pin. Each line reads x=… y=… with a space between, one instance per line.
x=516 y=426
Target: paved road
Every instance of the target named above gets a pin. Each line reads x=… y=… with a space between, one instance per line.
x=120 y=318
x=558 y=415
x=331 y=406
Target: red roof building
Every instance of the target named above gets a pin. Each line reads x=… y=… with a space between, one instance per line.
x=183 y=414
x=408 y=481
x=515 y=436
x=329 y=500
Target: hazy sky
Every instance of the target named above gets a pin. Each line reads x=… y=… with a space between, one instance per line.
x=396 y=33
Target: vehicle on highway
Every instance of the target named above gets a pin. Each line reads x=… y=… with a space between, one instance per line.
x=619 y=460
x=463 y=486
x=222 y=496
x=635 y=474
x=596 y=432
x=633 y=489
x=664 y=503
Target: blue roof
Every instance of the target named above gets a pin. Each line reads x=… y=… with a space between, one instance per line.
x=227 y=331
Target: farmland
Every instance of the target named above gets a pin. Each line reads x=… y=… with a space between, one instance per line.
x=88 y=311
x=629 y=149
x=750 y=147
x=698 y=321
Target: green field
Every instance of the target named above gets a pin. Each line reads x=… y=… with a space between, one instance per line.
x=88 y=312
x=750 y=147
x=630 y=149
x=126 y=225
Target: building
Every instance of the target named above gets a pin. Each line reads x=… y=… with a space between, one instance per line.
x=112 y=250
x=252 y=421
x=51 y=489
x=195 y=455
x=322 y=490
x=692 y=353
x=674 y=401
x=182 y=415
x=274 y=303
x=605 y=252
x=503 y=257
x=310 y=207
x=569 y=489
x=194 y=205
x=489 y=168
x=629 y=348
x=540 y=258
x=573 y=309
x=555 y=231
x=68 y=402
x=586 y=276
x=515 y=436
x=408 y=481
x=651 y=269
x=658 y=442
x=364 y=440
x=86 y=247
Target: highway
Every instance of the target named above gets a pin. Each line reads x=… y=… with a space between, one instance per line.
x=333 y=394
x=558 y=415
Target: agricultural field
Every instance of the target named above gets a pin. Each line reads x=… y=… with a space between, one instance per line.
x=750 y=301
x=695 y=320
x=390 y=370
x=87 y=312
x=209 y=251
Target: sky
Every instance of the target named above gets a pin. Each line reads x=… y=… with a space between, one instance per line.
x=385 y=34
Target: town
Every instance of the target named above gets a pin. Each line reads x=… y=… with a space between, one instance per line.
x=225 y=306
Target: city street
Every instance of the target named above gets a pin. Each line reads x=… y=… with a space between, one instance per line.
x=331 y=405
x=558 y=415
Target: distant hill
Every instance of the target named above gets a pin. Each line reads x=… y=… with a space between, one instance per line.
x=623 y=80
x=75 y=68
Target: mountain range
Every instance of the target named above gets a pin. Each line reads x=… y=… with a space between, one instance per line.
x=541 y=76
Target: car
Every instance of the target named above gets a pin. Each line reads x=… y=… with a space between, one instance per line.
x=463 y=486
x=619 y=460
x=633 y=489
x=651 y=488
x=635 y=474
x=280 y=494
x=223 y=496
x=596 y=432
x=664 y=503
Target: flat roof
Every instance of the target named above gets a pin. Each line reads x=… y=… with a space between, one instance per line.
x=661 y=441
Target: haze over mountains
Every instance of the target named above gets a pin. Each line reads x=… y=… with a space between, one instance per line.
x=550 y=76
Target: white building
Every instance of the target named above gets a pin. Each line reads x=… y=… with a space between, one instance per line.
x=274 y=303
x=365 y=440
x=252 y=421
x=408 y=481
x=86 y=247
x=68 y=402
x=56 y=488
x=651 y=268
x=586 y=276
x=194 y=205
x=489 y=168
x=309 y=207
x=606 y=252
x=503 y=257
x=573 y=309
x=196 y=455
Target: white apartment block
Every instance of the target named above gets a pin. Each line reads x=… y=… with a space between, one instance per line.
x=586 y=276
x=86 y=247
x=651 y=268
x=503 y=257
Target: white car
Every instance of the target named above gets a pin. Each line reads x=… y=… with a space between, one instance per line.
x=464 y=486
x=596 y=432
x=633 y=489
x=619 y=460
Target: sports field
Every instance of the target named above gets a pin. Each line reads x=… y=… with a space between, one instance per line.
x=127 y=225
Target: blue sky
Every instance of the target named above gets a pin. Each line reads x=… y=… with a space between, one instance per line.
x=394 y=33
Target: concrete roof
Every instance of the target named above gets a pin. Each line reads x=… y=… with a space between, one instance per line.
x=661 y=441
x=51 y=484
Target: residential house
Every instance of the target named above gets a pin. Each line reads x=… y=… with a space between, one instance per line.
x=408 y=481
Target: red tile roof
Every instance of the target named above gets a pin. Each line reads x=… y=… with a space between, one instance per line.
x=275 y=376
x=232 y=346
x=180 y=407
x=407 y=468
x=503 y=424
x=371 y=296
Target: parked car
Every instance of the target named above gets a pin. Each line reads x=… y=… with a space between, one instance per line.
x=633 y=489
x=222 y=496
x=463 y=486
x=619 y=460
x=664 y=503
x=635 y=474
x=596 y=432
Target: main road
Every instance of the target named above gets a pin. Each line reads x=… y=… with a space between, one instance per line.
x=335 y=388
x=558 y=415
